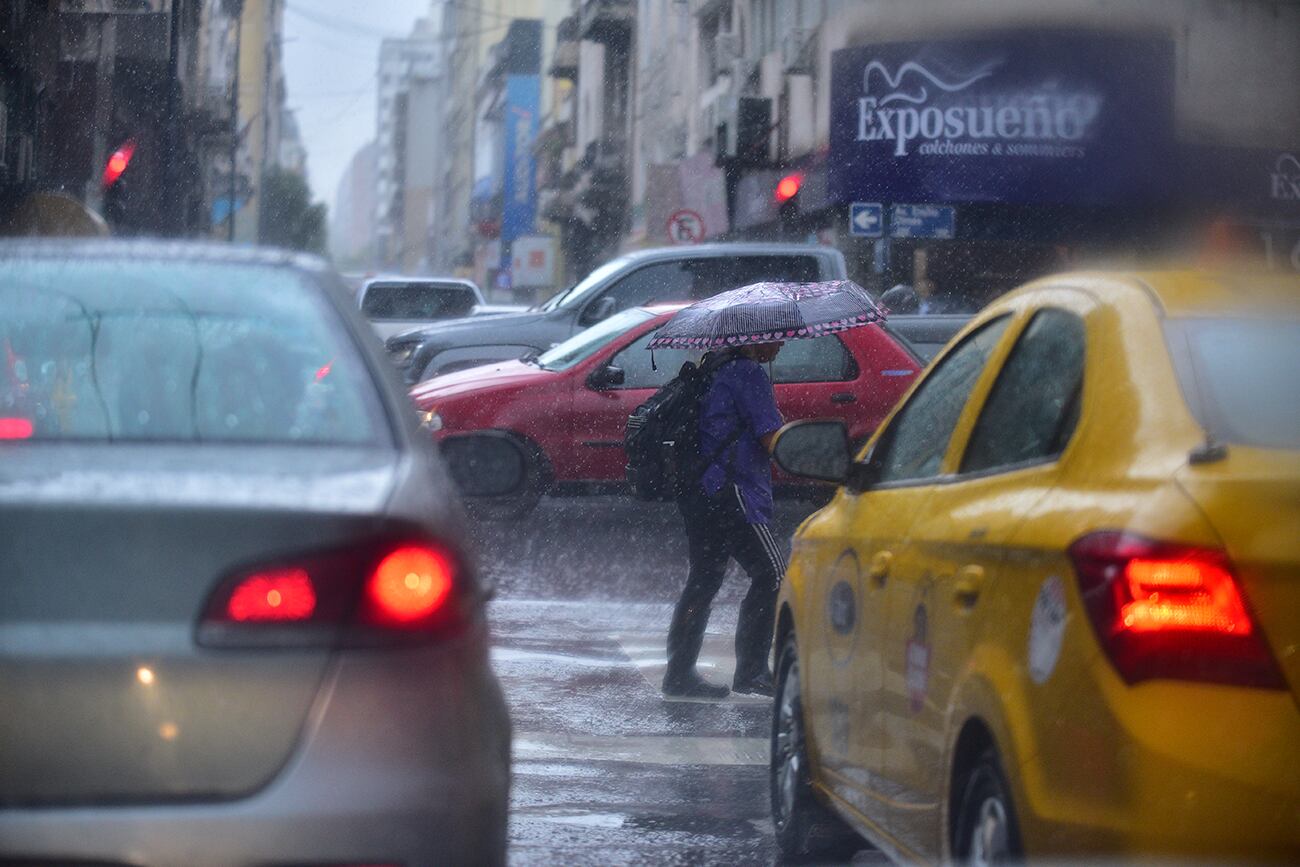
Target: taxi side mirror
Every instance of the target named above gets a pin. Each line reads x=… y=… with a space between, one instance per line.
x=814 y=449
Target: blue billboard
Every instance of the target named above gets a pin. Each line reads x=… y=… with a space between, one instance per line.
x=519 y=125
x=1031 y=117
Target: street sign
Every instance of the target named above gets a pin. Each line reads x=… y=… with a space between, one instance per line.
x=532 y=261
x=923 y=221
x=866 y=219
x=685 y=227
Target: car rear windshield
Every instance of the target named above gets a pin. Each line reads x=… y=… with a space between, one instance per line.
x=584 y=344
x=96 y=349
x=1240 y=378
x=417 y=301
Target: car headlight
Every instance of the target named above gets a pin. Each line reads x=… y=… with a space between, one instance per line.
x=431 y=421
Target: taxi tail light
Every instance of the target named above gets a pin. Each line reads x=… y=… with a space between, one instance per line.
x=374 y=594
x=1164 y=610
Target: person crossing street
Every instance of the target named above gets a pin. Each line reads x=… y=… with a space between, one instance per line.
x=727 y=514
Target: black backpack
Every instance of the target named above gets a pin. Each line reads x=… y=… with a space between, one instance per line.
x=662 y=440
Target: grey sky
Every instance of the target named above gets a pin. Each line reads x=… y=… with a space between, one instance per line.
x=331 y=54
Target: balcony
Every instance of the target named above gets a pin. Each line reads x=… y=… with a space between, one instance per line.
x=607 y=21
x=564 y=63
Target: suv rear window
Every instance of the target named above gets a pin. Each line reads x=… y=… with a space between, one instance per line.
x=177 y=351
x=417 y=300
x=1239 y=378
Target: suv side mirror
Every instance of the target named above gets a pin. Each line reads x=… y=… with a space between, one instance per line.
x=814 y=449
x=600 y=309
x=605 y=377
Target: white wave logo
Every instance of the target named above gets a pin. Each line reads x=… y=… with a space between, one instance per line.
x=1041 y=121
x=1286 y=178
x=917 y=97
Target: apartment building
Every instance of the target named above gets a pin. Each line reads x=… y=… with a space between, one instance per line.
x=408 y=132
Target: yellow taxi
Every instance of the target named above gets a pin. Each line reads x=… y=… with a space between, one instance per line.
x=1053 y=609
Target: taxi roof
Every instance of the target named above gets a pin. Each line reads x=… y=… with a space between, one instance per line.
x=1200 y=293
x=1192 y=292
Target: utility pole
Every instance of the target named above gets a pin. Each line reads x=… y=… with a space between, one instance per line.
x=236 y=8
x=173 y=213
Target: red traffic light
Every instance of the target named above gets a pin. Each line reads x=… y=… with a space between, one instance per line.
x=788 y=187
x=118 y=162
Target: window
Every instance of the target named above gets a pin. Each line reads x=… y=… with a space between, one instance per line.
x=720 y=273
x=417 y=301
x=179 y=352
x=666 y=281
x=1239 y=378
x=1034 y=405
x=822 y=359
x=634 y=359
x=588 y=342
x=692 y=279
x=915 y=443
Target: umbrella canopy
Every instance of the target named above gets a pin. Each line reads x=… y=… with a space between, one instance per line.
x=767 y=312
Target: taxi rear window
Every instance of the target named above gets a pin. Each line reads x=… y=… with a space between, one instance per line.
x=1239 y=378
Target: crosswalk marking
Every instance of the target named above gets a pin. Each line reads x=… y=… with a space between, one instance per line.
x=641 y=749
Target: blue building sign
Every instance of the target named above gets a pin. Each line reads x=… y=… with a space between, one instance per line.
x=520 y=120
x=923 y=221
x=1030 y=117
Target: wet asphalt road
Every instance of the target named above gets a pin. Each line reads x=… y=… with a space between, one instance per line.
x=607 y=772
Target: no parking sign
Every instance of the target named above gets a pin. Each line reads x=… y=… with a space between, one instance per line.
x=685 y=227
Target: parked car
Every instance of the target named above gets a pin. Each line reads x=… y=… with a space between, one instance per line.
x=927 y=333
x=237 y=622
x=397 y=304
x=637 y=279
x=568 y=407
x=1053 y=610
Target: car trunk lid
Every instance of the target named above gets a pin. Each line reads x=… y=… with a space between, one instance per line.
x=103 y=576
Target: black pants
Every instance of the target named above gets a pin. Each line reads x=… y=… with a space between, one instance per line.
x=715 y=530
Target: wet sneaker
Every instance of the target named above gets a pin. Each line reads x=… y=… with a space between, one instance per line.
x=759 y=685
x=692 y=686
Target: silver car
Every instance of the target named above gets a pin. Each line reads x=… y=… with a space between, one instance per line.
x=396 y=304
x=237 y=623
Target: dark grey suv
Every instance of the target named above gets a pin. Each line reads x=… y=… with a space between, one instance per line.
x=635 y=279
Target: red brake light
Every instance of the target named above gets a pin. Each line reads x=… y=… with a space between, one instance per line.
x=384 y=591
x=408 y=586
x=282 y=595
x=15 y=428
x=1190 y=594
x=1164 y=610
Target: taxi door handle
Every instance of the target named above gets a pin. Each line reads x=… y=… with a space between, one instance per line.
x=879 y=570
x=844 y=397
x=970 y=580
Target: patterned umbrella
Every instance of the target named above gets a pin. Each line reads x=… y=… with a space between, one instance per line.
x=766 y=312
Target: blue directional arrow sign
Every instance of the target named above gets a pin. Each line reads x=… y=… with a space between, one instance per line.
x=866 y=219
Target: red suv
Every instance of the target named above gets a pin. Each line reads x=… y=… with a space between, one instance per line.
x=569 y=405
